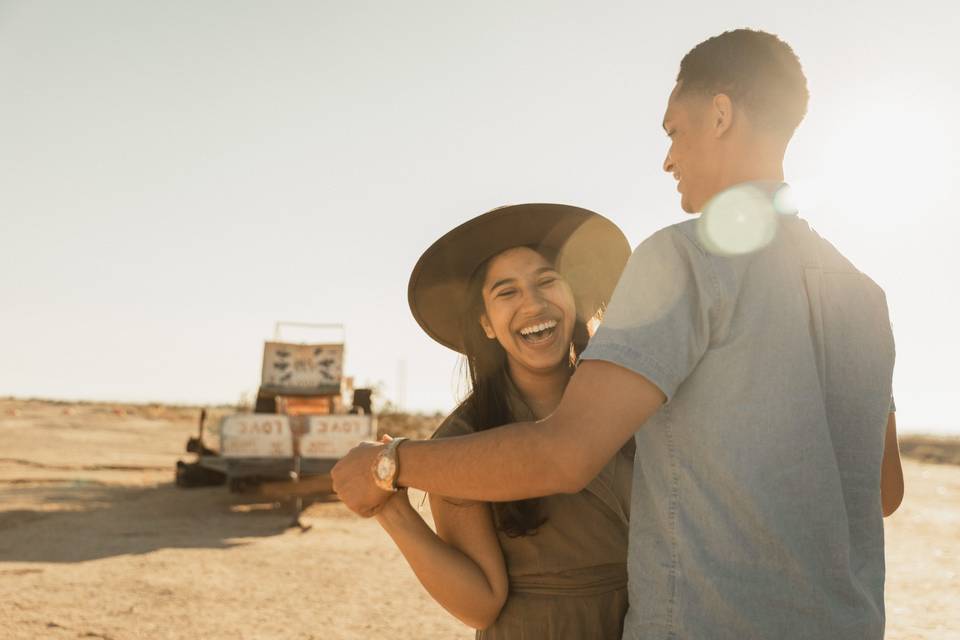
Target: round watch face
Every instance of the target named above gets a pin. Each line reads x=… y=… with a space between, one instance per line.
x=385 y=467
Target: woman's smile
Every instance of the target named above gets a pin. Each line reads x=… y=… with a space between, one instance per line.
x=539 y=333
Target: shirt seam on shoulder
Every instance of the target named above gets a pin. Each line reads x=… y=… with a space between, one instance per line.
x=709 y=259
x=658 y=373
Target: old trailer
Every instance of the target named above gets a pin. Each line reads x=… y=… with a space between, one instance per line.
x=306 y=417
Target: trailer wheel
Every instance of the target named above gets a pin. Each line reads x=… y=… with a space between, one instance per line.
x=192 y=474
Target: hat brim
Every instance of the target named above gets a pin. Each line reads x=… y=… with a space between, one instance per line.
x=590 y=250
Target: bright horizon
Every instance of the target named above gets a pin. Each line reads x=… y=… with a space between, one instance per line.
x=180 y=176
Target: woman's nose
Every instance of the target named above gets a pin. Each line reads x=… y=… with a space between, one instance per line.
x=534 y=300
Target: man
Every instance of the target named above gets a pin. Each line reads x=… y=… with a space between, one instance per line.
x=752 y=362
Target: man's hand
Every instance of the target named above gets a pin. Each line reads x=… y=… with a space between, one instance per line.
x=353 y=480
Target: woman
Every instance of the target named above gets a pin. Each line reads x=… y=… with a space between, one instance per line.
x=513 y=291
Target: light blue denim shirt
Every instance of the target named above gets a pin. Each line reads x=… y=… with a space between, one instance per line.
x=756 y=497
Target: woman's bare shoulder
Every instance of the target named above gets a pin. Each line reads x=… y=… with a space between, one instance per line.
x=455 y=424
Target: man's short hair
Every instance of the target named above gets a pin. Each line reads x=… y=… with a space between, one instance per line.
x=757 y=70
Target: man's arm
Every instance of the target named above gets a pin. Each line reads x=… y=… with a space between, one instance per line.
x=603 y=405
x=891 y=473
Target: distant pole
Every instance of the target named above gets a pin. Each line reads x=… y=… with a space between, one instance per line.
x=401 y=384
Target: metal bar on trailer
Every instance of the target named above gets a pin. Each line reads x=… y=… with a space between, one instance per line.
x=310 y=325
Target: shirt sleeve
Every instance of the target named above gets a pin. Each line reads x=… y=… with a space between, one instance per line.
x=893 y=404
x=658 y=320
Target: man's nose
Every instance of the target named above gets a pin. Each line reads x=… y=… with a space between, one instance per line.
x=668 y=163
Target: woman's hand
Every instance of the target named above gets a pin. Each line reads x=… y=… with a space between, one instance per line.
x=354 y=483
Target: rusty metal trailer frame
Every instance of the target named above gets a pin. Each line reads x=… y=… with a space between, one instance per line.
x=242 y=472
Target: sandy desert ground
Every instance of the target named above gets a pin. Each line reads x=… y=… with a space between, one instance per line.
x=97 y=542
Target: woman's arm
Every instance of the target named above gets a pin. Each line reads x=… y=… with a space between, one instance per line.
x=463 y=567
x=891 y=473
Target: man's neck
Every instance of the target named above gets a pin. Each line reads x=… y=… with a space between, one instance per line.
x=541 y=391
x=753 y=161
x=752 y=173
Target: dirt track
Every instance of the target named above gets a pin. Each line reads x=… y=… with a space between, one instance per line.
x=96 y=542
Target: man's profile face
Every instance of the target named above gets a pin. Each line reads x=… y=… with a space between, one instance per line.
x=692 y=155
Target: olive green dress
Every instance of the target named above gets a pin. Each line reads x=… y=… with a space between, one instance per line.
x=569 y=579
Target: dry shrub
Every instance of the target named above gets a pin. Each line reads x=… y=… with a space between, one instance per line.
x=925 y=448
x=408 y=425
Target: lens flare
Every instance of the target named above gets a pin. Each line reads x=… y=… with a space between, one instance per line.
x=738 y=221
x=785 y=202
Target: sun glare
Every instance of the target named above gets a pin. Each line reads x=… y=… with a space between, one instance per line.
x=888 y=162
x=743 y=219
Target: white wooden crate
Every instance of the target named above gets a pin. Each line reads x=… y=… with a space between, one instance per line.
x=301 y=367
x=333 y=436
x=256 y=435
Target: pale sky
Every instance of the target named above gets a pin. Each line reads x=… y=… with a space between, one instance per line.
x=176 y=176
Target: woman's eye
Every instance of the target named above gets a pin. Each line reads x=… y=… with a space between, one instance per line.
x=505 y=293
x=547 y=282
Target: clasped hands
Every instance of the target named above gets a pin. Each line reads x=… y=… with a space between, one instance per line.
x=353 y=479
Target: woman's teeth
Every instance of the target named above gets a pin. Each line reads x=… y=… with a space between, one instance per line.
x=538 y=332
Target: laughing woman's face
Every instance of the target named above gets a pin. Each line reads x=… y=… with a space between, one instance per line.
x=530 y=310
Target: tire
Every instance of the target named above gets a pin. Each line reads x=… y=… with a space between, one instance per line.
x=190 y=475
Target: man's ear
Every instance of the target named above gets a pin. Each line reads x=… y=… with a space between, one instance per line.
x=721 y=111
x=487 y=327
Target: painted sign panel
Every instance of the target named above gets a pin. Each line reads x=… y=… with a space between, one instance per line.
x=302 y=366
x=256 y=435
x=333 y=436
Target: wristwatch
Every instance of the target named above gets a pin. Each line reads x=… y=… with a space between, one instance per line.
x=386 y=467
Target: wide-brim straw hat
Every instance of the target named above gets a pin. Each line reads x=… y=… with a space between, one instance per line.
x=590 y=251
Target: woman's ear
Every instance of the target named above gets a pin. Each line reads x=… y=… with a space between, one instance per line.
x=487 y=327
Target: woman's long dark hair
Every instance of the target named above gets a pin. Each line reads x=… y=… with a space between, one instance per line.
x=487 y=407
